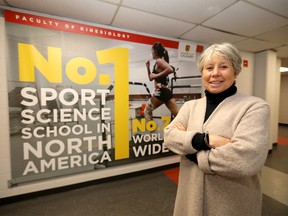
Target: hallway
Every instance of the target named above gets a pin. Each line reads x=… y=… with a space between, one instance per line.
x=147 y=193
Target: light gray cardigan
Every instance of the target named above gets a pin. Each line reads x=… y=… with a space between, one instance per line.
x=226 y=180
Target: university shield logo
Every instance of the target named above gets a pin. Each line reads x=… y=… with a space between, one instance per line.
x=187 y=48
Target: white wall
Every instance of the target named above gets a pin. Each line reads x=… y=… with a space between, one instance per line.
x=283 y=106
x=245 y=79
x=267 y=85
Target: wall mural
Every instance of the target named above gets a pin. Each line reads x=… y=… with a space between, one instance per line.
x=77 y=93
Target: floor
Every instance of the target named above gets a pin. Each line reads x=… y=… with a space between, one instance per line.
x=147 y=193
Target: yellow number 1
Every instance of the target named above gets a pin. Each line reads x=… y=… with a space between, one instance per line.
x=119 y=56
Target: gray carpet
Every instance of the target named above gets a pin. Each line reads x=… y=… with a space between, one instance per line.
x=150 y=194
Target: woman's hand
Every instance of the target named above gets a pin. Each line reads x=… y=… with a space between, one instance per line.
x=214 y=140
x=152 y=76
x=179 y=126
x=148 y=64
x=217 y=141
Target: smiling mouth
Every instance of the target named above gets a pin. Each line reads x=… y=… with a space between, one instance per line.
x=216 y=83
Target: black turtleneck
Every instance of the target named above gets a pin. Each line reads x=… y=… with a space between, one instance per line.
x=212 y=101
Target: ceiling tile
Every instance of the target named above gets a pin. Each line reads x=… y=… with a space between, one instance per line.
x=278 y=35
x=253 y=45
x=195 y=11
x=265 y=22
x=278 y=6
x=245 y=19
x=112 y=1
x=209 y=36
x=150 y=23
x=88 y=10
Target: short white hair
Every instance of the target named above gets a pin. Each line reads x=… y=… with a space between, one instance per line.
x=227 y=51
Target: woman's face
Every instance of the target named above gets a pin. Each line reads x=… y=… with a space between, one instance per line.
x=217 y=74
x=154 y=56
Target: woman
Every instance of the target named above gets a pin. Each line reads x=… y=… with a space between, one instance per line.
x=162 y=93
x=223 y=142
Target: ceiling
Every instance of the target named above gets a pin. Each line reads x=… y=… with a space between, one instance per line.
x=251 y=25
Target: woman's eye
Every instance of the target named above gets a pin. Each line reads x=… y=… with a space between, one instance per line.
x=209 y=68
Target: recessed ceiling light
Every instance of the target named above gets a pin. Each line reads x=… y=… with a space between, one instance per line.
x=283 y=69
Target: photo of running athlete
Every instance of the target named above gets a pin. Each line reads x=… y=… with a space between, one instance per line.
x=162 y=93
